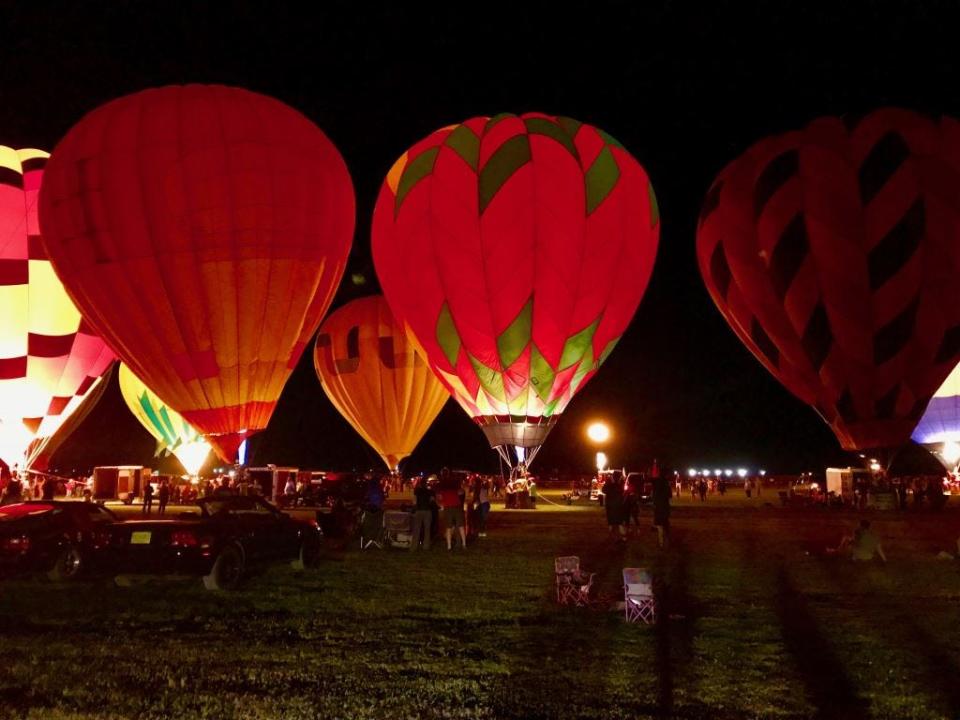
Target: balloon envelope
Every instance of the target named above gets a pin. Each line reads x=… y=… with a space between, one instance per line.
x=169 y=429
x=203 y=231
x=516 y=249
x=833 y=253
x=374 y=377
x=49 y=357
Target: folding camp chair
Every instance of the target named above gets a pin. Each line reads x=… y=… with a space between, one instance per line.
x=371 y=529
x=638 y=601
x=398 y=528
x=573 y=585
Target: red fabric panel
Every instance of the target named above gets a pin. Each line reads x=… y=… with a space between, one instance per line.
x=13 y=367
x=49 y=346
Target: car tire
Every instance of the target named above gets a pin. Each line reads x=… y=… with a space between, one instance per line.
x=308 y=556
x=227 y=571
x=68 y=565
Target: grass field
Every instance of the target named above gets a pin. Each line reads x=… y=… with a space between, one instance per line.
x=751 y=627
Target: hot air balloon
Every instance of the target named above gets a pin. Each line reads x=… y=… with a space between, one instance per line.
x=833 y=253
x=939 y=427
x=49 y=357
x=516 y=249
x=172 y=433
x=41 y=450
x=202 y=230
x=372 y=375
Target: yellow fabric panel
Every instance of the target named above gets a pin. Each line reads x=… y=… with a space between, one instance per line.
x=951 y=386
x=10 y=158
x=26 y=154
x=390 y=407
x=51 y=311
x=13 y=329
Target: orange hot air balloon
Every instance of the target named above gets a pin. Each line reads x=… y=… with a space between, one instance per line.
x=202 y=230
x=372 y=375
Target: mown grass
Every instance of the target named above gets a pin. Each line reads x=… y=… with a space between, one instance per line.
x=751 y=627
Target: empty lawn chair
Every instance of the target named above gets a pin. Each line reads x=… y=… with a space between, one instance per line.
x=638 y=602
x=398 y=528
x=573 y=584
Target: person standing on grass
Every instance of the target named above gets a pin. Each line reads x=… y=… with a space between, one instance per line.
x=747 y=488
x=661 y=510
x=422 y=514
x=482 y=500
x=451 y=504
x=147 y=498
x=702 y=489
x=613 y=504
x=163 y=496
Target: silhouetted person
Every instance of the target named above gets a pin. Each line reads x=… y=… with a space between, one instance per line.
x=147 y=498
x=163 y=497
x=661 y=509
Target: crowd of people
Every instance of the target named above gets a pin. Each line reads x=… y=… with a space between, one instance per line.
x=622 y=500
x=449 y=503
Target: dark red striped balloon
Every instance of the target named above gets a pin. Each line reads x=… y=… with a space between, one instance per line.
x=834 y=254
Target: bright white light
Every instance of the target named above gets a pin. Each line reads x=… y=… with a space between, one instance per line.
x=691 y=472
x=232 y=473
x=951 y=452
x=718 y=473
x=741 y=472
x=762 y=473
x=193 y=455
x=728 y=472
x=242 y=453
x=875 y=466
x=598 y=432
x=601 y=461
x=521 y=453
x=815 y=486
x=705 y=472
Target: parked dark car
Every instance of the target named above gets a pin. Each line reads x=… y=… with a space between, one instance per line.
x=64 y=539
x=221 y=542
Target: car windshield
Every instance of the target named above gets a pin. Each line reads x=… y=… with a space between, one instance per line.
x=15 y=512
x=98 y=513
x=237 y=507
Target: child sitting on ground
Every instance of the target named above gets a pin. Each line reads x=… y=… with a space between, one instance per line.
x=863 y=545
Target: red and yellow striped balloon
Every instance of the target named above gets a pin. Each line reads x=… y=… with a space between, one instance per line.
x=49 y=357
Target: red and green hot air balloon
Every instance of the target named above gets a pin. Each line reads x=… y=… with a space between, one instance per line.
x=516 y=249
x=833 y=252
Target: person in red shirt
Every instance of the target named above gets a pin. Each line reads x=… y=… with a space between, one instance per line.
x=450 y=497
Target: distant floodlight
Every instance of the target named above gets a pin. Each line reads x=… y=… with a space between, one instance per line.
x=598 y=432
x=718 y=473
x=601 y=461
x=762 y=473
x=728 y=472
x=705 y=472
x=951 y=452
x=691 y=472
x=875 y=466
x=741 y=472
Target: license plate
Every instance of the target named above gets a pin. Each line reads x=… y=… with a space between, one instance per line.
x=140 y=537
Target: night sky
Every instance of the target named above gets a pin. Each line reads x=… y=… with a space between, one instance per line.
x=685 y=89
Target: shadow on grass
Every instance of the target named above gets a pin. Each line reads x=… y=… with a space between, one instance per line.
x=940 y=667
x=827 y=683
x=674 y=630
